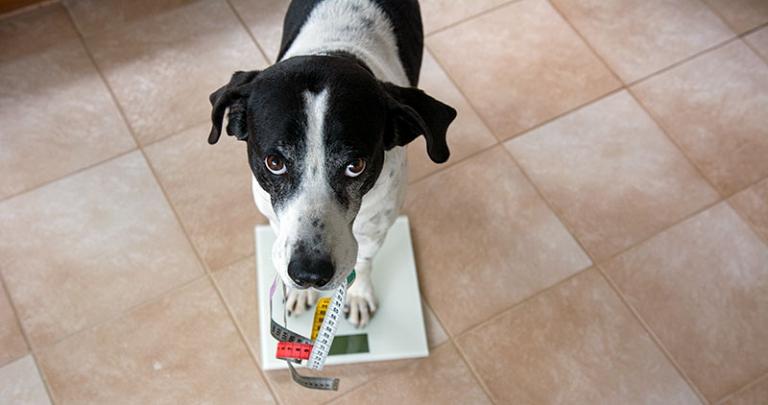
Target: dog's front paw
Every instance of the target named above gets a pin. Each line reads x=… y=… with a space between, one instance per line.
x=300 y=300
x=361 y=302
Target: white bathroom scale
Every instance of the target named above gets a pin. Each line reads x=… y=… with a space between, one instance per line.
x=395 y=332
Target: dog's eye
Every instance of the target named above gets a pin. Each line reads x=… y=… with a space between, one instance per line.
x=275 y=164
x=355 y=168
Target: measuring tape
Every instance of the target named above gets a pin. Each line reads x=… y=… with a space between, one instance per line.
x=293 y=347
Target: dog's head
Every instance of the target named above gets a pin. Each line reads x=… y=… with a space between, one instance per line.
x=317 y=128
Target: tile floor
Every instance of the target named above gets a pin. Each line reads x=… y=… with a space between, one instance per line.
x=599 y=235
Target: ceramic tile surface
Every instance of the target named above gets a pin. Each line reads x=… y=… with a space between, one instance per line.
x=466 y=135
x=105 y=240
x=640 y=37
x=542 y=70
x=20 y=383
x=155 y=64
x=264 y=18
x=613 y=174
x=488 y=230
x=741 y=15
x=759 y=42
x=752 y=204
x=442 y=378
x=576 y=343
x=12 y=343
x=182 y=348
x=56 y=112
x=210 y=188
x=701 y=286
x=713 y=106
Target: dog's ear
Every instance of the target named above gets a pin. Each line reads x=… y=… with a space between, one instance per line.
x=233 y=95
x=414 y=113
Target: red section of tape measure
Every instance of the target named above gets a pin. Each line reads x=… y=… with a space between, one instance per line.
x=292 y=350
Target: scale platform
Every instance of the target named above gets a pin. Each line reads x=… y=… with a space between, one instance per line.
x=395 y=332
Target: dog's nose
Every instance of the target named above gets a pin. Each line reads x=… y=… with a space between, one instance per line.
x=310 y=272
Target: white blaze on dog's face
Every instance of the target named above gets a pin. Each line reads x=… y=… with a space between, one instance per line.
x=317 y=129
x=315 y=245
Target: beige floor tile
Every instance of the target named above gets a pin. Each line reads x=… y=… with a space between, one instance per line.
x=754 y=395
x=264 y=19
x=752 y=204
x=701 y=286
x=20 y=383
x=741 y=15
x=574 y=344
x=57 y=114
x=162 y=67
x=612 y=173
x=443 y=378
x=437 y=14
x=466 y=135
x=12 y=344
x=104 y=240
x=238 y=286
x=640 y=37
x=210 y=188
x=94 y=16
x=714 y=107
x=483 y=236
x=521 y=65
x=182 y=348
x=759 y=42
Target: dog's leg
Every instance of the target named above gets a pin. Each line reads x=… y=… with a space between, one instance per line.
x=361 y=298
x=300 y=300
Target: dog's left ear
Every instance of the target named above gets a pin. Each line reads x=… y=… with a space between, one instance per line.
x=414 y=113
x=233 y=95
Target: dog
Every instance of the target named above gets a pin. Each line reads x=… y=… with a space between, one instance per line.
x=326 y=128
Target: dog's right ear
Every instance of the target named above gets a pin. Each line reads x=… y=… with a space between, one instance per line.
x=233 y=95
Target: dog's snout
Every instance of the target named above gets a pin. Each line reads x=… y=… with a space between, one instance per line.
x=310 y=271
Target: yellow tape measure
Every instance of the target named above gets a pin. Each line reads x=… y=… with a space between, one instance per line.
x=320 y=311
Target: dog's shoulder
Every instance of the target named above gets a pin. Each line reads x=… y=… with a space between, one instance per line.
x=403 y=16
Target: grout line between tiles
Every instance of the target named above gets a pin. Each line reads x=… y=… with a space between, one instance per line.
x=584 y=40
x=470 y=17
x=743 y=389
x=656 y=340
x=495 y=317
x=73 y=173
x=748 y=221
x=27 y=9
x=250 y=34
x=475 y=373
x=755 y=51
x=44 y=378
x=241 y=332
x=119 y=314
x=682 y=61
x=17 y=318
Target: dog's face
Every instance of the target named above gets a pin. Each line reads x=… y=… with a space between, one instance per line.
x=317 y=128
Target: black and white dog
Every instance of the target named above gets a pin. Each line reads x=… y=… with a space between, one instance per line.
x=326 y=128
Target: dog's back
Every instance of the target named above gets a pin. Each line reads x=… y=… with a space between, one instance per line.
x=375 y=31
